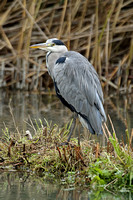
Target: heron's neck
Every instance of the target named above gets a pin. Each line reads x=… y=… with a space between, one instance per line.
x=51 y=58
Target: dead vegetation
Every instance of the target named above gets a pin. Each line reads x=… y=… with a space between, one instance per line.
x=100 y=30
x=90 y=163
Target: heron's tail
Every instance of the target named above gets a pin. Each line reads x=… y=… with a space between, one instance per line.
x=85 y=123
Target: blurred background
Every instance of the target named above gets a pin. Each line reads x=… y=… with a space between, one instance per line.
x=100 y=30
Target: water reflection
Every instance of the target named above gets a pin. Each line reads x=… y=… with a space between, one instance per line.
x=33 y=106
x=27 y=107
x=18 y=185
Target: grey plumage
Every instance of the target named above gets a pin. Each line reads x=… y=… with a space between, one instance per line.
x=76 y=83
x=79 y=85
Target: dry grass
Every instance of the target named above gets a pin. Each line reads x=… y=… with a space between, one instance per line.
x=100 y=30
x=109 y=166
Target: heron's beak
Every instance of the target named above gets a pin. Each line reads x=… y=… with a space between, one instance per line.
x=41 y=45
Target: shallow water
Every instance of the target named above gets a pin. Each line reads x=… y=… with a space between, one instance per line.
x=23 y=186
x=21 y=110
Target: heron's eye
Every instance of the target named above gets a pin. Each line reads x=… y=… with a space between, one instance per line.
x=52 y=44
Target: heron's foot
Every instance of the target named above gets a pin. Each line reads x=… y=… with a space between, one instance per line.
x=62 y=144
x=66 y=144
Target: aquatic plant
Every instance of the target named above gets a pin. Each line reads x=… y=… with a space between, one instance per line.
x=90 y=164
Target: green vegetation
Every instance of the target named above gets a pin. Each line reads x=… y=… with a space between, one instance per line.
x=107 y=167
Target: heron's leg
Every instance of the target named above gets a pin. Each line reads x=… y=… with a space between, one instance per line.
x=79 y=137
x=72 y=126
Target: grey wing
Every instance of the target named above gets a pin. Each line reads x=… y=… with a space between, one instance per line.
x=78 y=84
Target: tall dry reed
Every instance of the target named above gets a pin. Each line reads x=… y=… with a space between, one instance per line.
x=100 y=30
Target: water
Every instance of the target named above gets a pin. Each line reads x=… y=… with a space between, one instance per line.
x=23 y=109
x=23 y=186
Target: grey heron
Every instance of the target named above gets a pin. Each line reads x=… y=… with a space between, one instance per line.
x=76 y=83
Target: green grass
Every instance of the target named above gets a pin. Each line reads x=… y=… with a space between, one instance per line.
x=109 y=167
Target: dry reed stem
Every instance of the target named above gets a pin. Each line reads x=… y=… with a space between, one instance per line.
x=89 y=37
x=117 y=111
x=32 y=19
x=104 y=132
x=114 y=23
x=81 y=21
x=98 y=30
x=6 y=14
x=7 y=41
x=62 y=19
x=97 y=150
x=109 y=134
x=106 y=53
x=131 y=138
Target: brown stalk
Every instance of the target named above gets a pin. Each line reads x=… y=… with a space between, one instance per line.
x=69 y=23
x=110 y=76
x=131 y=138
x=59 y=151
x=106 y=53
x=62 y=19
x=97 y=30
x=96 y=36
x=81 y=21
x=29 y=15
x=12 y=143
x=97 y=150
x=76 y=6
x=118 y=9
x=104 y=132
x=64 y=150
x=5 y=16
x=109 y=134
x=7 y=41
x=78 y=154
x=88 y=47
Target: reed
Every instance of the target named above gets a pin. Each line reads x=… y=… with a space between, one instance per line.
x=102 y=31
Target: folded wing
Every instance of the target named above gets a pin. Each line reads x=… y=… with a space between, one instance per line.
x=78 y=86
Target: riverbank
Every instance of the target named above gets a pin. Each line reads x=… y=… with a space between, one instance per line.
x=109 y=167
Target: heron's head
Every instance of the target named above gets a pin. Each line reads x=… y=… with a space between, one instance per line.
x=53 y=45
